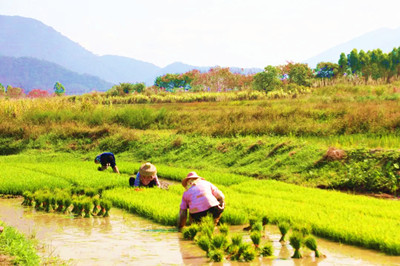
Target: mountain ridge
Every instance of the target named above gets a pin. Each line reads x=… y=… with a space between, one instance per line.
x=384 y=38
x=31 y=73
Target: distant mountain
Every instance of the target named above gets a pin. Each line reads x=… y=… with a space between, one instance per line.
x=384 y=39
x=31 y=73
x=26 y=37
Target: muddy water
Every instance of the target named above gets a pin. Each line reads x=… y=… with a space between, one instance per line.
x=124 y=239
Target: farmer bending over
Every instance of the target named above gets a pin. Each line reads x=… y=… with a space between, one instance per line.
x=201 y=198
x=146 y=177
x=106 y=159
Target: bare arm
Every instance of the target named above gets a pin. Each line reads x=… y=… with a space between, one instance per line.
x=182 y=218
x=116 y=169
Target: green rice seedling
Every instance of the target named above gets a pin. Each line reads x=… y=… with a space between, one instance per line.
x=219 y=241
x=236 y=239
x=224 y=229
x=255 y=236
x=90 y=192
x=47 y=202
x=233 y=252
x=207 y=226
x=30 y=199
x=216 y=255
x=190 y=231
x=88 y=206
x=265 y=220
x=284 y=229
x=242 y=247
x=25 y=195
x=79 y=208
x=107 y=207
x=296 y=241
x=39 y=201
x=204 y=243
x=53 y=201
x=267 y=250
x=252 y=221
x=96 y=203
x=249 y=254
x=67 y=204
x=304 y=230
x=60 y=203
x=257 y=227
x=74 y=202
x=102 y=210
x=311 y=243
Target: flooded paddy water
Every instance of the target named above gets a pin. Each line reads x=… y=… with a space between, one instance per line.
x=125 y=239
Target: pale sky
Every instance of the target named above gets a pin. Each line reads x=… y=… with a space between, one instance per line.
x=237 y=33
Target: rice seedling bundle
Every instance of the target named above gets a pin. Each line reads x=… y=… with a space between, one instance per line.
x=284 y=229
x=190 y=232
x=296 y=241
x=267 y=250
x=311 y=243
x=256 y=238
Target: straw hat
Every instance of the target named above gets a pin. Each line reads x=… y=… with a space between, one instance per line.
x=147 y=169
x=191 y=175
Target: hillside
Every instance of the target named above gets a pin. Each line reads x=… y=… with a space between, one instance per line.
x=30 y=73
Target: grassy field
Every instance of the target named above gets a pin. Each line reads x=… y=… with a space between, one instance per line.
x=267 y=152
x=283 y=137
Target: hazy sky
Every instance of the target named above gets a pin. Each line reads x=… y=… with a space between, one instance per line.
x=242 y=33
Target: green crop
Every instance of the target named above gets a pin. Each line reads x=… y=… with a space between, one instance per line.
x=351 y=219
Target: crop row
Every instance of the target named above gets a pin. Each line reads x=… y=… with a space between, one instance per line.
x=357 y=220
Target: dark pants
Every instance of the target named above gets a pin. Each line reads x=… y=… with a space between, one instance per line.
x=214 y=211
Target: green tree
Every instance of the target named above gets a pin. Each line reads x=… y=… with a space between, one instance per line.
x=342 y=63
x=353 y=60
x=267 y=80
x=300 y=74
x=59 y=89
x=126 y=88
x=396 y=60
x=365 y=65
x=376 y=56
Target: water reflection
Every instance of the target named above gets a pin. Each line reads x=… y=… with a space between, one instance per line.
x=124 y=239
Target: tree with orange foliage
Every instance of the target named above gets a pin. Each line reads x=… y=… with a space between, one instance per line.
x=38 y=93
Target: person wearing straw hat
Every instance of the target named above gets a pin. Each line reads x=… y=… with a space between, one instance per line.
x=106 y=159
x=201 y=198
x=146 y=177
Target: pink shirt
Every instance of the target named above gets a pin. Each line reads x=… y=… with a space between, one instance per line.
x=200 y=197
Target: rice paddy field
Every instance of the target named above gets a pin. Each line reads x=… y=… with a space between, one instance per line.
x=357 y=220
x=312 y=159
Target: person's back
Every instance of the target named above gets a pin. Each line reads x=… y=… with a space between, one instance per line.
x=201 y=196
x=106 y=159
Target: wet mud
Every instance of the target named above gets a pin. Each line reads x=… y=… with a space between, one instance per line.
x=125 y=239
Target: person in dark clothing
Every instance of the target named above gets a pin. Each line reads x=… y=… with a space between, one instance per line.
x=106 y=159
x=146 y=177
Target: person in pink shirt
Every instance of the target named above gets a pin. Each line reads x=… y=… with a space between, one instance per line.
x=201 y=198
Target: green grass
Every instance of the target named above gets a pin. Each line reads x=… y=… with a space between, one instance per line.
x=16 y=245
